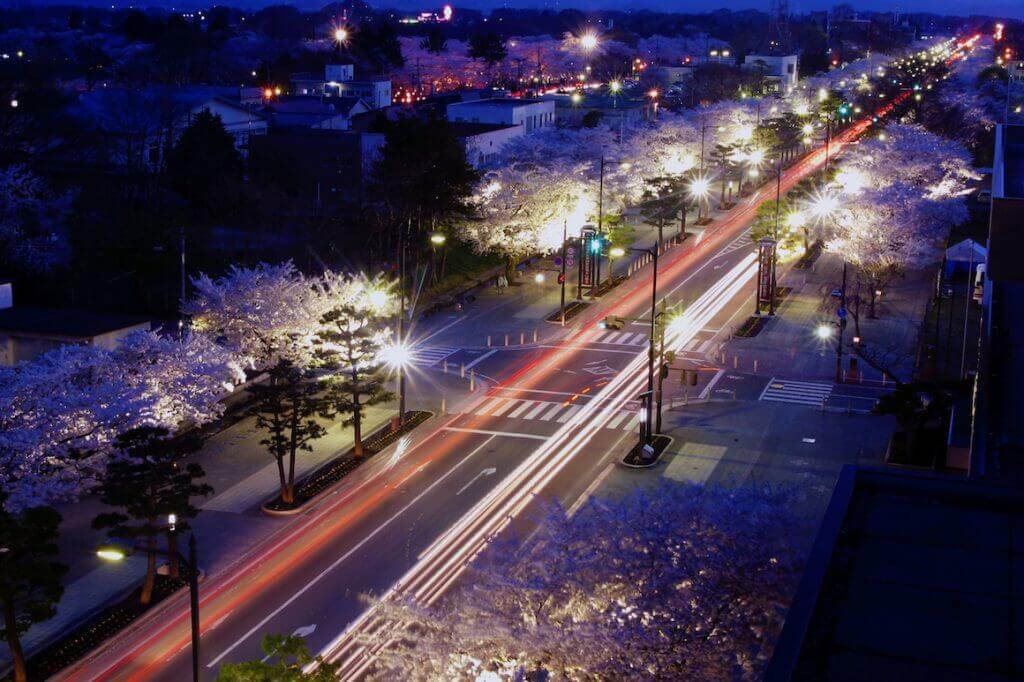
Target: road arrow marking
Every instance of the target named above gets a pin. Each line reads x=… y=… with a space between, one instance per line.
x=304 y=631
x=489 y=471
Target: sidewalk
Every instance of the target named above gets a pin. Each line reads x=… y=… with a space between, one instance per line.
x=243 y=475
x=788 y=346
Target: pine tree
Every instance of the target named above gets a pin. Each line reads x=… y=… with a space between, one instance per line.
x=148 y=482
x=286 y=407
x=285 y=660
x=351 y=345
x=30 y=575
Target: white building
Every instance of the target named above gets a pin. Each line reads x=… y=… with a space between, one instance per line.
x=780 y=70
x=483 y=141
x=532 y=114
x=339 y=81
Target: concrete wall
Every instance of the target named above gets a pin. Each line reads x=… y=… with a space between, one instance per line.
x=529 y=114
x=482 y=146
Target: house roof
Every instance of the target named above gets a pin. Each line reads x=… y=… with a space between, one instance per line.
x=72 y=323
x=469 y=129
x=311 y=110
x=499 y=102
x=117 y=109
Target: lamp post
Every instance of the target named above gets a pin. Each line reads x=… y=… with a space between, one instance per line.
x=115 y=553
x=645 y=437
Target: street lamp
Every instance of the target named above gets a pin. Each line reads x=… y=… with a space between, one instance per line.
x=589 y=41
x=116 y=553
x=341 y=35
x=700 y=189
x=645 y=438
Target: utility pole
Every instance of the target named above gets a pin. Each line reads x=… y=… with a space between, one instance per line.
x=661 y=367
x=600 y=223
x=841 y=324
x=401 y=320
x=561 y=275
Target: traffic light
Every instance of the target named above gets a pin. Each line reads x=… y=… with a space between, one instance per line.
x=664 y=371
x=595 y=244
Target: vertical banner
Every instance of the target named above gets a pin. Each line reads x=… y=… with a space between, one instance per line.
x=765 y=275
x=588 y=257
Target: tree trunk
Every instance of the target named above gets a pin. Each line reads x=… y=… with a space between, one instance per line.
x=284 y=481
x=293 y=446
x=871 y=302
x=357 y=425
x=147 y=586
x=510 y=268
x=13 y=643
x=174 y=563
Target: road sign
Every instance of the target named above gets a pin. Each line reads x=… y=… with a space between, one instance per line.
x=570 y=256
x=841 y=313
x=558 y=260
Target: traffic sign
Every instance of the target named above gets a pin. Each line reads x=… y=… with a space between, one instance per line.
x=841 y=313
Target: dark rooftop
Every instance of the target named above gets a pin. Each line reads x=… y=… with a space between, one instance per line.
x=468 y=128
x=72 y=323
x=913 y=576
x=501 y=101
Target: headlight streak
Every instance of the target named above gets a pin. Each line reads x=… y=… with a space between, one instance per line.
x=442 y=563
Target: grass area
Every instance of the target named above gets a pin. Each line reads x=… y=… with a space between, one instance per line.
x=462 y=268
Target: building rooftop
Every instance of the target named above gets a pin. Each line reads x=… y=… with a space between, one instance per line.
x=467 y=129
x=70 y=323
x=913 y=576
x=500 y=102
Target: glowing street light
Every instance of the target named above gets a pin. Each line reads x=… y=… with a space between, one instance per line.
x=615 y=86
x=617 y=252
x=341 y=35
x=437 y=239
x=111 y=553
x=397 y=356
x=588 y=41
x=824 y=332
x=539 y=278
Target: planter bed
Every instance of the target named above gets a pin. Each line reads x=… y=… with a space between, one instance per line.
x=808 y=259
x=752 y=327
x=338 y=468
x=572 y=309
x=73 y=646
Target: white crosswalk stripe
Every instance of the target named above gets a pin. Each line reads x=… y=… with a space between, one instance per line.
x=617 y=338
x=742 y=243
x=428 y=356
x=799 y=392
x=545 y=411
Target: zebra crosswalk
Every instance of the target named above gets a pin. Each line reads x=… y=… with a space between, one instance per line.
x=427 y=356
x=616 y=338
x=800 y=392
x=546 y=411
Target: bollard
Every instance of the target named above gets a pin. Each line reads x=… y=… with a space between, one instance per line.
x=444 y=406
x=535 y=336
x=522 y=338
x=488 y=340
x=755 y=366
x=735 y=362
x=472 y=379
x=445 y=365
x=823 y=404
x=883 y=378
x=506 y=339
x=462 y=371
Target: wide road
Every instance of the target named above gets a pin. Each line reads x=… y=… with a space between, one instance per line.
x=558 y=416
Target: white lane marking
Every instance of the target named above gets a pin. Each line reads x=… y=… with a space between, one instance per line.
x=482 y=358
x=490 y=405
x=489 y=471
x=527 y=404
x=450 y=324
x=711 y=384
x=551 y=413
x=564 y=417
x=501 y=410
x=541 y=405
x=510 y=434
x=615 y=421
x=319 y=576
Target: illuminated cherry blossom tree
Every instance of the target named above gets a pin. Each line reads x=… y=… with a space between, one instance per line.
x=676 y=583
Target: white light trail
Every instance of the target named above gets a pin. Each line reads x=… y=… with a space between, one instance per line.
x=442 y=563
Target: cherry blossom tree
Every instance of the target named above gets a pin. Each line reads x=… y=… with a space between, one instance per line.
x=64 y=410
x=676 y=583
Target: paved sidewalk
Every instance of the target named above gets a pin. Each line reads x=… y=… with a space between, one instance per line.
x=789 y=346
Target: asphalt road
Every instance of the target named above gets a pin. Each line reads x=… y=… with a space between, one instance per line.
x=555 y=416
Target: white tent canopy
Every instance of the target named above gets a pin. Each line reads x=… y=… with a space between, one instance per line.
x=966 y=251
